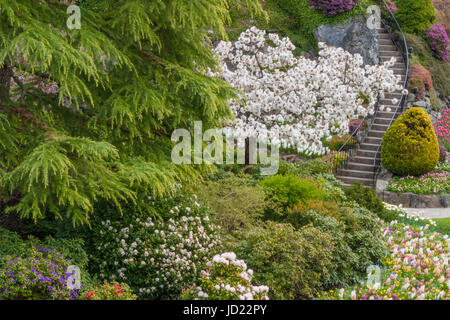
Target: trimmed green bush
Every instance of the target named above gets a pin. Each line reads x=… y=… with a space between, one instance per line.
x=283 y=192
x=410 y=145
x=415 y=15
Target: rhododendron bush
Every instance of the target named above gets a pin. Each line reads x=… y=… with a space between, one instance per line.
x=333 y=7
x=226 y=278
x=294 y=101
x=437 y=38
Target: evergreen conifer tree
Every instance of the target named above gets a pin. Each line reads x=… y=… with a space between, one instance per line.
x=87 y=114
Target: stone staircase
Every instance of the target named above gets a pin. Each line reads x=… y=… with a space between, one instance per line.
x=361 y=167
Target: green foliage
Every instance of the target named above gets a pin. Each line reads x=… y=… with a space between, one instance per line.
x=367 y=197
x=283 y=192
x=121 y=84
x=439 y=69
x=291 y=262
x=336 y=142
x=443 y=225
x=355 y=234
x=108 y=291
x=304 y=169
x=410 y=145
x=415 y=16
x=235 y=204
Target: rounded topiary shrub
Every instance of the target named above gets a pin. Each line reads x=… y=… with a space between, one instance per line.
x=410 y=146
x=415 y=16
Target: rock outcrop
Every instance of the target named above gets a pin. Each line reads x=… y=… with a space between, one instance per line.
x=354 y=37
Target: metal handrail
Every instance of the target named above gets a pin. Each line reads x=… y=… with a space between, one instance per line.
x=402 y=101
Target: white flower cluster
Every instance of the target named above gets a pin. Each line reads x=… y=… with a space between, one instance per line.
x=166 y=255
x=295 y=102
x=416 y=216
x=244 y=290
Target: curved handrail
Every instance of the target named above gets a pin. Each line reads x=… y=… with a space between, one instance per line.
x=405 y=55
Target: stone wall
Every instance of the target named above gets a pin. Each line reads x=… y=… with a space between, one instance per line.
x=411 y=200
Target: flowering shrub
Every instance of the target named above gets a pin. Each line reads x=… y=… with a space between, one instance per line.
x=295 y=102
x=420 y=77
x=442 y=128
x=109 y=291
x=333 y=7
x=390 y=6
x=417 y=267
x=437 y=39
x=432 y=182
x=41 y=275
x=226 y=278
x=157 y=258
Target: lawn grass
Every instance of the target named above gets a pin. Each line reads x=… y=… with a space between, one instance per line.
x=443 y=225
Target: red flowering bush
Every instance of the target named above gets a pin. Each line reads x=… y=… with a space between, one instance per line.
x=437 y=39
x=421 y=78
x=442 y=128
x=109 y=291
x=333 y=7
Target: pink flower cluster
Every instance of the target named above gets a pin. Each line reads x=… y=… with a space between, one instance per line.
x=437 y=39
x=432 y=182
x=333 y=7
x=390 y=6
x=442 y=128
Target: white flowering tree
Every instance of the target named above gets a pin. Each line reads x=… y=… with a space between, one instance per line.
x=294 y=101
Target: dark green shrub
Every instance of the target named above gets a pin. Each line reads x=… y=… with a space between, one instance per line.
x=356 y=237
x=293 y=263
x=235 y=204
x=415 y=16
x=283 y=192
x=367 y=198
x=410 y=145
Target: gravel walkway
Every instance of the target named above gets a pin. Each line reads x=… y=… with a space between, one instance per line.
x=432 y=213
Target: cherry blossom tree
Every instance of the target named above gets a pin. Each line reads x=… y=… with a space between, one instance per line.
x=293 y=101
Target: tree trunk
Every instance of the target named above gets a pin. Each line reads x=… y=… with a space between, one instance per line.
x=5 y=83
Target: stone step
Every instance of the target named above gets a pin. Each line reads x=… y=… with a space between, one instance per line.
x=385 y=114
x=376 y=133
x=355 y=173
x=369 y=147
x=373 y=140
x=352 y=180
x=386 y=41
x=380 y=127
x=360 y=167
x=389 y=103
x=389 y=54
x=388 y=47
x=364 y=160
x=382 y=31
x=391 y=95
x=385 y=36
x=401 y=71
x=382 y=121
x=366 y=153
